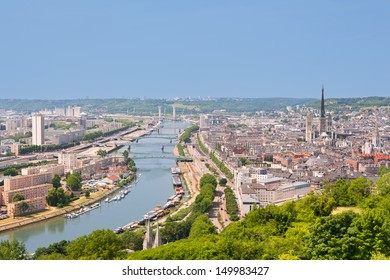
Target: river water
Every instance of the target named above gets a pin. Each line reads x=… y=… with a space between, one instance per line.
x=152 y=189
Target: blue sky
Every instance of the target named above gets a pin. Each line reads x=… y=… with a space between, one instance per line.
x=144 y=48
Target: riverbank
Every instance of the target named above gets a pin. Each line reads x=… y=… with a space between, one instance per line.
x=53 y=212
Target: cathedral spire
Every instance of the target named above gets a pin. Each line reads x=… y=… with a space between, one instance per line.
x=322 y=103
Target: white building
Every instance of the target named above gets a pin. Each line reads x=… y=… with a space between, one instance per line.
x=38 y=129
x=270 y=191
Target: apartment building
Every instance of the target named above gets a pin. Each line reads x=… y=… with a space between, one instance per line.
x=53 y=168
x=28 y=192
x=21 y=182
x=270 y=191
x=34 y=205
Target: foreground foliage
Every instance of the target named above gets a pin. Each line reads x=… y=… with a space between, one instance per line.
x=304 y=229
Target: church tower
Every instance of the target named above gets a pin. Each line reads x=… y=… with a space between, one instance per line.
x=309 y=128
x=157 y=239
x=329 y=124
x=322 y=127
x=375 y=137
x=148 y=240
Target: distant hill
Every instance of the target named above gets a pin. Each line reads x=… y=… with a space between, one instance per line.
x=353 y=103
x=185 y=106
x=149 y=106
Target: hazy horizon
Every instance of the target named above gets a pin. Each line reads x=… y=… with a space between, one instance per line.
x=167 y=49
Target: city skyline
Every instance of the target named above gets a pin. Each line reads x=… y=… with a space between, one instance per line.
x=194 y=49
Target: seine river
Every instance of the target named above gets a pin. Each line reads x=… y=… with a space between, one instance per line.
x=152 y=189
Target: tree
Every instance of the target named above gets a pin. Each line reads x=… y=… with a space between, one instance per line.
x=56 y=181
x=17 y=197
x=102 y=244
x=58 y=248
x=223 y=181
x=174 y=231
x=244 y=161
x=359 y=188
x=74 y=181
x=372 y=233
x=11 y=172
x=87 y=193
x=23 y=206
x=330 y=238
x=133 y=240
x=339 y=191
x=202 y=226
x=57 y=197
x=51 y=198
x=383 y=170
x=126 y=155
x=102 y=153
x=13 y=250
x=208 y=179
x=383 y=184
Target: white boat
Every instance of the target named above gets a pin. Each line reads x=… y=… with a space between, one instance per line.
x=95 y=205
x=71 y=215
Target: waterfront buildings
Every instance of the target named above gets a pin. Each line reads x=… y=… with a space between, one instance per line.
x=33 y=188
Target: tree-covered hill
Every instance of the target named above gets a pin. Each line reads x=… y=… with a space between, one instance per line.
x=186 y=106
x=352 y=104
x=349 y=220
x=149 y=106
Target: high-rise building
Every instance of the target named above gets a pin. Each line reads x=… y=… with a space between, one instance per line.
x=38 y=129
x=69 y=111
x=204 y=122
x=174 y=112
x=76 y=111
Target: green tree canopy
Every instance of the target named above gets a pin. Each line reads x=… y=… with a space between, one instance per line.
x=56 y=181
x=384 y=184
x=13 y=250
x=99 y=245
x=329 y=237
x=202 y=226
x=208 y=179
x=58 y=248
x=223 y=181
x=73 y=181
x=23 y=206
x=383 y=170
x=17 y=197
x=11 y=172
x=57 y=197
x=359 y=188
x=102 y=153
x=133 y=240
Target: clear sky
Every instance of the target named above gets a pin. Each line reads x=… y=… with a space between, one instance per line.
x=165 y=48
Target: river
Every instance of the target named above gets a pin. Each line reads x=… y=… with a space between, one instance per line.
x=152 y=189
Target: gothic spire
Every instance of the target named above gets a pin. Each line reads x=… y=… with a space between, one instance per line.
x=157 y=239
x=322 y=103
